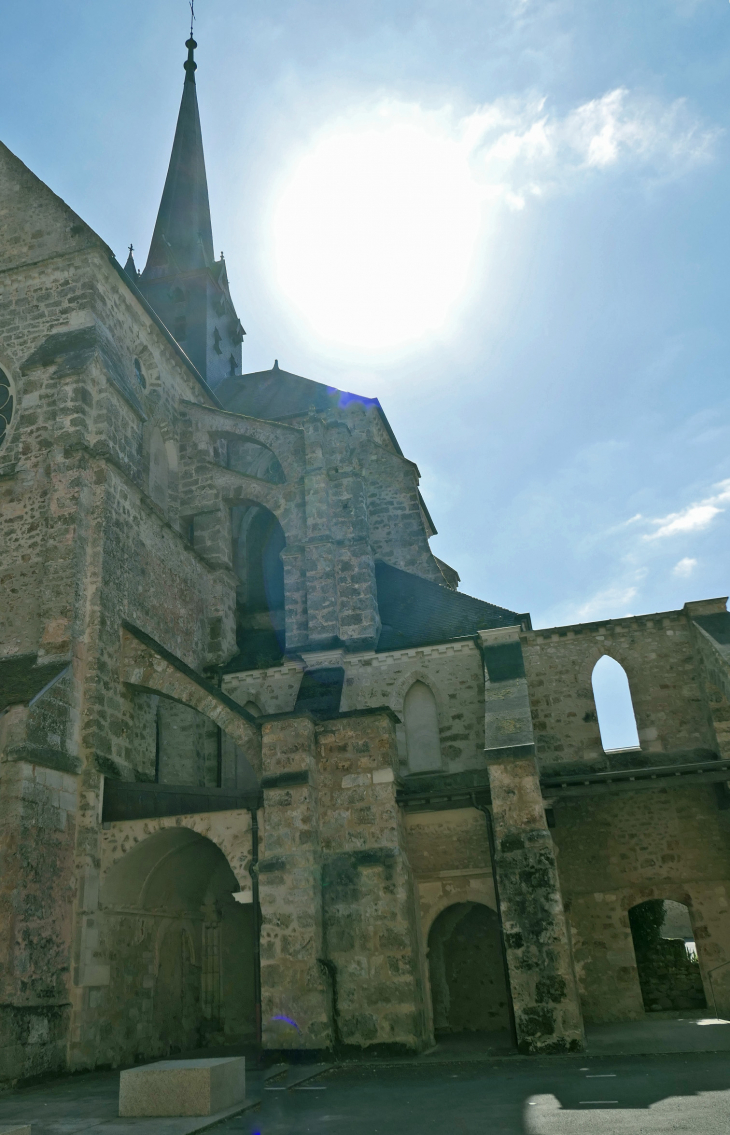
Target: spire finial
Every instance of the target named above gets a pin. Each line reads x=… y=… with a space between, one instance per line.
x=190 y=65
x=131 y=249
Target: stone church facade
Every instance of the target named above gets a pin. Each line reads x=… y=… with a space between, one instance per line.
x=266 y=774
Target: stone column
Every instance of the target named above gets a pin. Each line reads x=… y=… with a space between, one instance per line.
x=544 y=992
x=295 y=994
x=372 y=928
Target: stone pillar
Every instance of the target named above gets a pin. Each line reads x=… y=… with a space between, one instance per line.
x=544 y=992
x=372 y=928
x=295 y=993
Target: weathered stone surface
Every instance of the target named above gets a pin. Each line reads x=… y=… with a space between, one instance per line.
x=183 y=1087
x=120 y=474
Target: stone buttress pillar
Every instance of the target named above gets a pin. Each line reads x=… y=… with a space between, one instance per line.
x=372 y=926
x=544 y=991
x=295 y=992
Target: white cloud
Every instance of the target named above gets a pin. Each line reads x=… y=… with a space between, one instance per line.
x=685 y=567
x=693 y=518
x=521 y=149
x=610 y=603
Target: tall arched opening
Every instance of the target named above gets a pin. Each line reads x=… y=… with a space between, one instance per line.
x=180 y=949
x=421 y=720
x=468 y=984
x=666 y=957
x=614 y=706
x=258 y=541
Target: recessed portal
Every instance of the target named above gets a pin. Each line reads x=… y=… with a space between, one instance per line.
x=666 y=958
x=180 y=948
x=468 y=986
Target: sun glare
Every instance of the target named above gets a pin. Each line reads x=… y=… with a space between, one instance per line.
x=375 y=230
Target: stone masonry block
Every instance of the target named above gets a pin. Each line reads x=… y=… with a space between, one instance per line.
x=183 y=1087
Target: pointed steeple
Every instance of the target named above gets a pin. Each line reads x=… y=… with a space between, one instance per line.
x=183 y=236
x=182 y=281
x=130 y=267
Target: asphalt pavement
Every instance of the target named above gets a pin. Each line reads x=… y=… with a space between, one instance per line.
x=519 y=1096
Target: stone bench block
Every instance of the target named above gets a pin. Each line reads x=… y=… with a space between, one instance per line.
x=183 y=1087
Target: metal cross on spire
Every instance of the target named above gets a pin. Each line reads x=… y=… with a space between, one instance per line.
x=192 y=16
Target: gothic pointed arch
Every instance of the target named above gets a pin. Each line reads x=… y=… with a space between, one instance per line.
x=614 y=705
x=420 y=718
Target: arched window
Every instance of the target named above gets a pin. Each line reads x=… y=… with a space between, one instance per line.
x=614 y=708
x=252 y=708
x=422 y=729
x=159 y=470
x=258 y=541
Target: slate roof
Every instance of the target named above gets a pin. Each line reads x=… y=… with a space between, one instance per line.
x=417 y=612
x=21 y=678
x=717 y=626
x=274 y=395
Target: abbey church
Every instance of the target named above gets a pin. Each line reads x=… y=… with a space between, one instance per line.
x=267 y=776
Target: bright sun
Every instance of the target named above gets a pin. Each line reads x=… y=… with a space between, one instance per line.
x=376 y=228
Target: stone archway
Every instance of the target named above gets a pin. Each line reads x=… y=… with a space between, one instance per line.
x=468 y=983
x=179 y=946
x=666 y=956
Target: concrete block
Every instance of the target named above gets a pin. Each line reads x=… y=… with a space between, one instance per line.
x=183 y=1087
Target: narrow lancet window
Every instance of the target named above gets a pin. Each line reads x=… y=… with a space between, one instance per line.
x=422 y=729
x=614 y=707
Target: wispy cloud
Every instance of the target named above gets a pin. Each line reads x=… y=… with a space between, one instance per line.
x=693 y=518
x=685 y=567
x=522 y=149
x=612 y=602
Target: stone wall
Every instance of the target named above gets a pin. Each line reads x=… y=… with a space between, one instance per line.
x=618 y=851
x=656 y=651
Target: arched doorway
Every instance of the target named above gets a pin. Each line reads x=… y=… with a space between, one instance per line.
x=468 y=985
x=180 y=948
x=258 y=541
x=666 y=958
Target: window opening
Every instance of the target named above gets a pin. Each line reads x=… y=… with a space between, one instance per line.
x=258 y=541
x=614 y=707
x=140 y=374
x=422 y=729
x=6 y=405
x=181 y=328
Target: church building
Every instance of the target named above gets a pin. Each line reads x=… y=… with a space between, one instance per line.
x=267 y=776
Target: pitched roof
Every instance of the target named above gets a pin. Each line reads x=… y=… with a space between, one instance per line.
x=276 y=394
x=417 y=612
x=717 y=626
x=183 y=236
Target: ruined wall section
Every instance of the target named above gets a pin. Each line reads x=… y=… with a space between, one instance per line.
x=657 y=653
x=617 y=851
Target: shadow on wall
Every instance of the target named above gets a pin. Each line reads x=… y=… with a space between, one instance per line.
x=468 y=986
x=180 y=949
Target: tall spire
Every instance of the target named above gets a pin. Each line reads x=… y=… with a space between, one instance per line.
x=183 y=237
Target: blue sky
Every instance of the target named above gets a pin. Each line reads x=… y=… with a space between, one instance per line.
x=507 y=220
